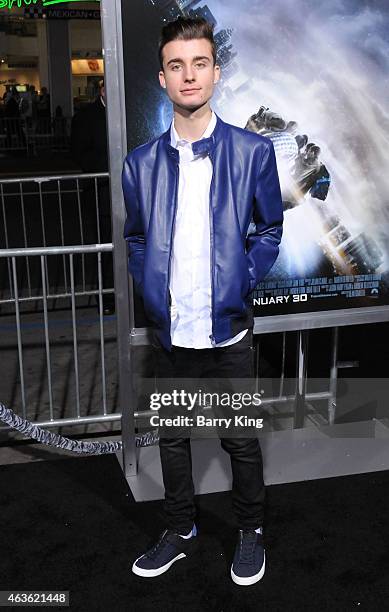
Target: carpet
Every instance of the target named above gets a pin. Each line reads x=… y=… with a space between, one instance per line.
x=73 y=525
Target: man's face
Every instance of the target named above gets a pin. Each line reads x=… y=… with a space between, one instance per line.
x=189 y=75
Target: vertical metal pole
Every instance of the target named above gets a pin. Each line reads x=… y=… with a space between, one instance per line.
x=75 y=346
x=97 y=211
x=46 y=278
x=97 y=224
x=111 y=22
x=81 y=234
x=282 y=377
x=103 y=382
x=25 y=237
x=6 y=239
x=47 y=341
x=62 y=234
x=42 y=213
x=19 y=336
x=301 y=378
x=257 y=364
x=333 y=376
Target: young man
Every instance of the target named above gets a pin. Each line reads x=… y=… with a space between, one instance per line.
x=190 y=196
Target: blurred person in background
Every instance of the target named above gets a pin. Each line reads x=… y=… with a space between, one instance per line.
x=90 y=151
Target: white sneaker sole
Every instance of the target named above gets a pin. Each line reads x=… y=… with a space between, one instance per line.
x=151 y=573
x=247 y=580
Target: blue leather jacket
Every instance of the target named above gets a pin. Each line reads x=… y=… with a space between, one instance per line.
x=244 y=188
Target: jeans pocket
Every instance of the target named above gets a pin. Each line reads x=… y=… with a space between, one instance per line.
x=243 y=344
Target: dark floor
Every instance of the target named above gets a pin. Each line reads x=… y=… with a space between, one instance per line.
x=72 y=525
x=19 y=164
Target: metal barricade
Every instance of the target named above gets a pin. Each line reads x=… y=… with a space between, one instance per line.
x=48 y=347
x=12 y=135
x=58 y=351
x=46 y=211
x=34 y=135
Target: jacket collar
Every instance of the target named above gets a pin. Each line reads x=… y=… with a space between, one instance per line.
x=204 y=145
x=175 y=139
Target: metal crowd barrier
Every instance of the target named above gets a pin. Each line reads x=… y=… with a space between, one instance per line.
x=32 y=135
x=12 y=256
x=52 y=210
x=42 y=273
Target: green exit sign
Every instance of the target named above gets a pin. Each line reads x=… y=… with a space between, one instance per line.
x=9 y=4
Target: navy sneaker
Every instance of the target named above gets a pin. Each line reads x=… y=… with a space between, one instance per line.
x=169 y=548
x=248 y=565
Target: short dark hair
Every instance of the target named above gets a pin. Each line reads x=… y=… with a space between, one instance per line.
x=186 y=28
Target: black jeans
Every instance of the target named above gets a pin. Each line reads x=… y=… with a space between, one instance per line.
x=248 y=490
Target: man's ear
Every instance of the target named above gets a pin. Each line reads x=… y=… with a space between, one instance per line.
x=162 y=81
x=216 y=74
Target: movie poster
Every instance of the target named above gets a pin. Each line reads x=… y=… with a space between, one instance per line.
x=313 y=77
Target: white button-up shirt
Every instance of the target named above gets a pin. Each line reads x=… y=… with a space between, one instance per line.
x=190 y=264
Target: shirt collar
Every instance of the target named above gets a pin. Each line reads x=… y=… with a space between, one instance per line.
x=175 y=139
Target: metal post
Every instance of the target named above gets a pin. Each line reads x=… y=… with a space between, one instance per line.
x=97 y=211
x=100 y=284
x=301 y=378
x=19 y=337
x=75 y=345
x=81 y=232
x=111 y=23
x=25 y=237
x=43 y=225
x=62 y=233
x=47 y=340
x=6 y=240
x=282 y=376
x=257 y=357
x=333 y=376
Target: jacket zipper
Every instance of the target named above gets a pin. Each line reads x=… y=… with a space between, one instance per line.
x=171 y=243
x=212 y=262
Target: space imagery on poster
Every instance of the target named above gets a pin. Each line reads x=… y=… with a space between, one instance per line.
x=313 y=77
